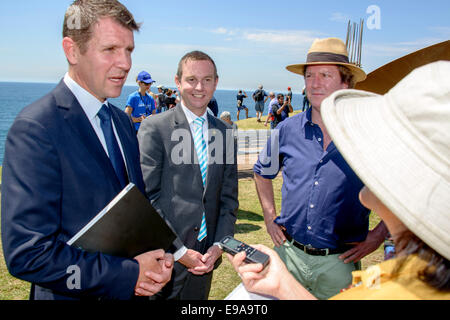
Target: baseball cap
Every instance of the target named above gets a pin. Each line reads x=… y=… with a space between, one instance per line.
x=144 y=76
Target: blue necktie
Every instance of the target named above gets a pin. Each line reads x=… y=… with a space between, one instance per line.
x=202 y=155
x=111 y=144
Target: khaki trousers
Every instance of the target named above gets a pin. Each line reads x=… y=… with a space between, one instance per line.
x=323 y=276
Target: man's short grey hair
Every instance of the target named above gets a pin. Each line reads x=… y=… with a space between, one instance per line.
x=83 y=14
x=260 y=86
x=225 y=115
x=271 y=94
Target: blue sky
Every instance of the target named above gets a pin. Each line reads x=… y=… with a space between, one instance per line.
x=251 y=41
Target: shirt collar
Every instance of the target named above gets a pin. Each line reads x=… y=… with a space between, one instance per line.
x=90 y=104
x=307 y=118
x=190 y=116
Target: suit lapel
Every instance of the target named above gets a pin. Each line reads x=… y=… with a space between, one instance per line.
x=181 y=122
x=76 y=118
x=125 y=140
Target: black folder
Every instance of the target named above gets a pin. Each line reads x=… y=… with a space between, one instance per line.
x=126 y=227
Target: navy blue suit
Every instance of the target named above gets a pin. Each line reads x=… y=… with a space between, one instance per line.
x=56 y=178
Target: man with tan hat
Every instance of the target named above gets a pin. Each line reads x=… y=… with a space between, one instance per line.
x=322 y=231
x=397 y=143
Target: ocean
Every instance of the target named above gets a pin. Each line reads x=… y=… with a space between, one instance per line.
x=15 y=96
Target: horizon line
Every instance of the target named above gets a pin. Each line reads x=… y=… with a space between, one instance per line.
x=132 y=85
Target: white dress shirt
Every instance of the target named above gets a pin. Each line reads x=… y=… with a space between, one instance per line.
x=190 y=116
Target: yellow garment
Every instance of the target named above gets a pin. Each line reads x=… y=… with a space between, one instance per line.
x=380 y=283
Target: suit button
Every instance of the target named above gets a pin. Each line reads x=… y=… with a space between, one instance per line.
x=196 y=229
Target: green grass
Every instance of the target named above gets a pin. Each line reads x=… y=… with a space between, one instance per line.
x=252 y=124
x=250 y=228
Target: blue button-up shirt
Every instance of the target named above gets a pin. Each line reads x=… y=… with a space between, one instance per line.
x=320 y=204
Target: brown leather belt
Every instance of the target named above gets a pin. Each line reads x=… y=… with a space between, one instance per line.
x=315 y=251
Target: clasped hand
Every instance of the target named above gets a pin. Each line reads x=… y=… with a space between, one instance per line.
x=155 y=270
x=199 y=264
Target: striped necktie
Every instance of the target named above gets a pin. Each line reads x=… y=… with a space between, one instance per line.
x=115 y=155
x=202 y=155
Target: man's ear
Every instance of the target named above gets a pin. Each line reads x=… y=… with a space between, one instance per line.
x=71 y=50
x=344 y=85
x=177 y=82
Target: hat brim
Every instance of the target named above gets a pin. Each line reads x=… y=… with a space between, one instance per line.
x=385 y=154
x=147 y=81
x=386 y=77
x=358 y=73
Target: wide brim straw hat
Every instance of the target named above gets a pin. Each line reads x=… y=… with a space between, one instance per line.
x=399 y=145
x=328 y=51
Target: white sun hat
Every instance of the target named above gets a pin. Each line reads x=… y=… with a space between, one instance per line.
x=399 y=145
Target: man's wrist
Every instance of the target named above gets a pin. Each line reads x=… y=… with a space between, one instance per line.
x=269 y=218
x=381 y=230
x=218 y=250
x=179 y=253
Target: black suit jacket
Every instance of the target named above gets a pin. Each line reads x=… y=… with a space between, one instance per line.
x=56 y=178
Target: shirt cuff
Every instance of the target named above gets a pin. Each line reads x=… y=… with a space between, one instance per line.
x=179 y=253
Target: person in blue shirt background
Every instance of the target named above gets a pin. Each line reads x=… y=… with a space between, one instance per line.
x=322 y=231
x=140 y=105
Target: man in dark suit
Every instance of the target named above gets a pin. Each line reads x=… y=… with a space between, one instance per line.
x=193 y=184
x=67 y=156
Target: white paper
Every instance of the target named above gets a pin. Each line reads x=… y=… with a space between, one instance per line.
x=240 y=293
